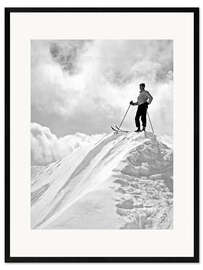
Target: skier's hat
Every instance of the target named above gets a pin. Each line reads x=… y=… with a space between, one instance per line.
x=142 y=84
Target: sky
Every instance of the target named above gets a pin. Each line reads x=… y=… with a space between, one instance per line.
x=85 y=86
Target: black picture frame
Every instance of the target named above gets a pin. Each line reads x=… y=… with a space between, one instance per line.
x=8 y=257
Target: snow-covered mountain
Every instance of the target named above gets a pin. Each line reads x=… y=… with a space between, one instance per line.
x=46 y=147
x=123 y=181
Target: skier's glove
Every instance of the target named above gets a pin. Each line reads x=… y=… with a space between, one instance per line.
x=131 y=102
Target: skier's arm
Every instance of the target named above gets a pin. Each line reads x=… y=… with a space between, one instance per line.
x=133 y=103
x=150 y=98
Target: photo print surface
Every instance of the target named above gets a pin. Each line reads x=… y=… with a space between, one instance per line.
x=102 y=134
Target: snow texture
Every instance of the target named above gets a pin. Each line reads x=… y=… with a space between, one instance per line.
x=124 y=181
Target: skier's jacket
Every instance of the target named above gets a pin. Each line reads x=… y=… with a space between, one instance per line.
x=144 y=97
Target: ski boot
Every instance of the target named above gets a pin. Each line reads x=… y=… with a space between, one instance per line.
x=143 y=129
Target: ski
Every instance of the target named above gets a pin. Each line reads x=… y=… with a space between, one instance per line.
x=116 y=129
x=123 y=130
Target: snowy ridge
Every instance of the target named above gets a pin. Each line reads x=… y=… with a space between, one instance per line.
x=120 y=182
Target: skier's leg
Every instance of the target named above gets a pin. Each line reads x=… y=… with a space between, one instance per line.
x=137 y=117
x=144 y=116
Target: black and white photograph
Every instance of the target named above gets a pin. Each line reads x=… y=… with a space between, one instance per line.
x=102 y=134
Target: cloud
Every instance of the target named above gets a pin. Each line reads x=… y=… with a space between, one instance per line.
x=47 y=148
x=66 y=54
x=86 y=85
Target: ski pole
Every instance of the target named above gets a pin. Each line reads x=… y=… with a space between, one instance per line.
x=150 y=123
x=158 y=146
x=124 y=117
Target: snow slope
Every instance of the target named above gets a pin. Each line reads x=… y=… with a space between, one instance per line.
x=120 y=182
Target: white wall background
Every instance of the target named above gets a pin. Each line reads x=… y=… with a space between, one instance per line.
x=79 y=3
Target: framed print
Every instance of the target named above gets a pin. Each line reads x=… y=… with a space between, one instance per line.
x=102 y=134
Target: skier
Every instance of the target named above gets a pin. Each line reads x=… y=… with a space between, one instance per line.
x=143 y=100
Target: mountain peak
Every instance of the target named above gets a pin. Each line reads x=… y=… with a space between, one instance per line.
x=122 y=181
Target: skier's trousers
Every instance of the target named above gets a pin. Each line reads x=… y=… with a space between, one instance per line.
x=141 y=112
